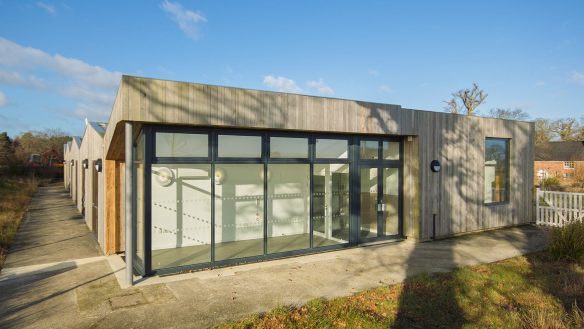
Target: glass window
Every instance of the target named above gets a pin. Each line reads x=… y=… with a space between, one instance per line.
x=496 y=170
x=139 y=181
x=238 y=146
x=568 y=164
x=391 y=201
x=182 y=145
x=286 y=147
x=331 y=204
x=239 y=210
x=369 y=150
x=288 y=207
x=390 y=150
x=332 y=148
x=181 y=215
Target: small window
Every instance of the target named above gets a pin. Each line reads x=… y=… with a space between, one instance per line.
x=369 y=150
x=240 y=146
x=288 y=147
x=496 y=170
x=390 y=150
x=332 y=148
x=173 y=145
x=568 y=164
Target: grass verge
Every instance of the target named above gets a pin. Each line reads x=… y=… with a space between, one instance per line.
x=533 y=291
x=15 y=195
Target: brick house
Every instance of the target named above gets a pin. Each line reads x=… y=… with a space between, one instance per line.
x=558 y=159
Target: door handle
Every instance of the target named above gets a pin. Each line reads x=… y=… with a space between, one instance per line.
x=381 y=207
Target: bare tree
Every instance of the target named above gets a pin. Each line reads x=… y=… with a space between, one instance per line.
x=509 y=114
x=470 y=98
x=566 y=129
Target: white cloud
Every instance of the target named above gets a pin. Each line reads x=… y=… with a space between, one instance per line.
x=578 y=77
x=385 y=89
x=69 y=77
x=3 y=99
x=282 y=84
x=16 y=79
x=320 y=87
x=48 y=8
x=187 y=20
x=540 y=84
x=373 y=72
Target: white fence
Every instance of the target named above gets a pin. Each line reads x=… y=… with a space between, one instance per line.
x=559 y=208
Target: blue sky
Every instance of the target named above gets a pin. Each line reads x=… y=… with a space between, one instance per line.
x=60 y=61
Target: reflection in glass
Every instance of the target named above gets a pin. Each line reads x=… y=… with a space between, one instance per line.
x=331 y=204
x=239 y=146
x=390 y=150
x=181 y=214
x=239 y=210
x=182 y=145
x=369 y=190
x=369 y=150
x=332 y=148
x=285 y=147
x=391 y=200
x=288 y=207
x=496 y=170
x=139 y=176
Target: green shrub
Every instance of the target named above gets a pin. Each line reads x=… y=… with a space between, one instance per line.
x=552 y=183
x=567 y=243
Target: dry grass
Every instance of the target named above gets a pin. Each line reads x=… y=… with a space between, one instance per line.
x=533 y=291
x=15 y=195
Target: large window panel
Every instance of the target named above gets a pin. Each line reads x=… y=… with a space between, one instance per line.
x=496 y=170
x=182 y=145
x=181 y=215
x=391 y=201
x=239 y=210
x=288 y=207
x=331 y=204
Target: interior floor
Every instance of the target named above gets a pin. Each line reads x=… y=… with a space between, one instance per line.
x=173 y=257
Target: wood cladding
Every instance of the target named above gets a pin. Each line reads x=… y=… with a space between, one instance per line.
x=453 y=197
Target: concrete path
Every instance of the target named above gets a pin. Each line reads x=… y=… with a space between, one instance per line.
x=85 y=292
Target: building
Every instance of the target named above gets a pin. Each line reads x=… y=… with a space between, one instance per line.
x=558 y=159
x=193 y=176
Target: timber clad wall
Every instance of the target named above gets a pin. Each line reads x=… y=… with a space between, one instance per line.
x=455 y=195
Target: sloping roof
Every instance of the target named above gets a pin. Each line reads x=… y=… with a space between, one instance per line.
x=77 y=140
x=560 y=151
x=99 y=127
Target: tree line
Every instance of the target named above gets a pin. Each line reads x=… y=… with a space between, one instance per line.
x=466 y=101
x=17 y=151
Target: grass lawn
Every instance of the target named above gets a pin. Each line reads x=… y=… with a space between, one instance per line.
x=531 y=291
x=15 y=195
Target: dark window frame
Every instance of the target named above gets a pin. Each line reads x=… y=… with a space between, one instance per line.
x=507 y=172
x=352 y=160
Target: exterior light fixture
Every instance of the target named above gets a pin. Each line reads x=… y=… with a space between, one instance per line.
x=85 y=163
x=98 y=165
x=435 y=165
x=72 y=163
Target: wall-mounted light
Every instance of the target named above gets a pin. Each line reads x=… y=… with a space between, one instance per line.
x=72 y=163
x=86 y=163
x=98 y=165
x=435 y=165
